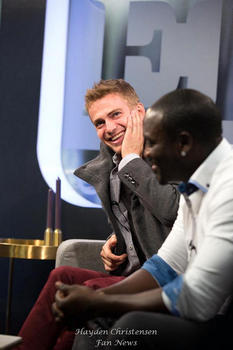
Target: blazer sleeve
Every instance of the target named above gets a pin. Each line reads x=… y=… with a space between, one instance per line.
x=161 y=200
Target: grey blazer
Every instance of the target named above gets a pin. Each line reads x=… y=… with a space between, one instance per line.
x=152 y=208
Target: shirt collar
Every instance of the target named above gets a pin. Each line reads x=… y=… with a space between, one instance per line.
x=187 y=188
x=116 y=159
x=203 y=174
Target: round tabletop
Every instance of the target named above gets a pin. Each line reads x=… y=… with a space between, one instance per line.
x=26 y=249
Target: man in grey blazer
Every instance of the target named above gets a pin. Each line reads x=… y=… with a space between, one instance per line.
x=140 y=210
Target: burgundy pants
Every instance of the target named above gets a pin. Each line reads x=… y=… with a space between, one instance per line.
x=40 y=331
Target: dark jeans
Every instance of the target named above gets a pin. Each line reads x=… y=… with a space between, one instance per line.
x=147 y=330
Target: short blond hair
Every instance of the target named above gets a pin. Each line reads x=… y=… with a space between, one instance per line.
x=111 y=86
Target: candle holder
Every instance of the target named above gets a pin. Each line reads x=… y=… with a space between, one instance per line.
x=48 y=236
x=57 y=237
x=53 y=237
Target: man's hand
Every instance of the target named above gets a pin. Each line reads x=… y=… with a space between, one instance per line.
x=72 y=304
x=133 y=140
x=110 y=260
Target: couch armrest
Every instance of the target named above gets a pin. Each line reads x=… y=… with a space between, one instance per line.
x=84 y=253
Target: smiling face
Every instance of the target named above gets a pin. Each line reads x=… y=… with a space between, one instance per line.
x=180 y=129
x=109 y=115
x=159 y=150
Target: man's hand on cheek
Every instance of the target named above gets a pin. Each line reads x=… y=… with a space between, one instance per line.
x=133 y=141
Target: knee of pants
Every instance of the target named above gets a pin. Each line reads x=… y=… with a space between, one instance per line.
x=61 y=273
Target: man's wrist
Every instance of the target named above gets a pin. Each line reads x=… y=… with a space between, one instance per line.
x=97 y=305
x=127 y=159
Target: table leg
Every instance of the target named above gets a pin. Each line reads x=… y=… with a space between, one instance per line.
x=9 y=295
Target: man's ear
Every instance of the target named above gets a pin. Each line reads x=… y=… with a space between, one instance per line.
x=184 y=142
x=141 y=109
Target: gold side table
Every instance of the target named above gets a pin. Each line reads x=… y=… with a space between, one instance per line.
x=22 y=249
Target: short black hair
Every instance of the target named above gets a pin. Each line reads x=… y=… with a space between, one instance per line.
x=192 y=111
